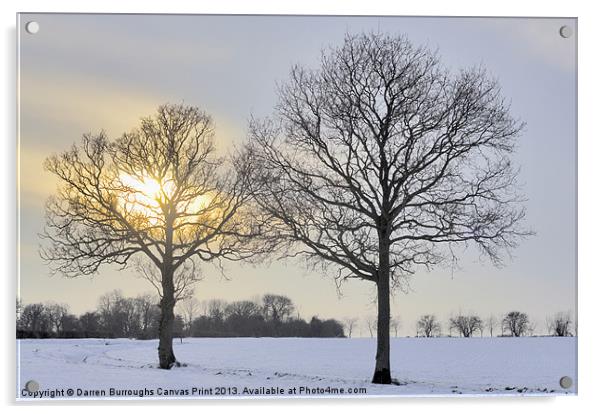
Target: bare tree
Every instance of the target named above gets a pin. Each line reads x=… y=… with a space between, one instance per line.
x=89 y=323
x=56 y=314
x=189 y=308
x=243 y=309
x=158 y=198
x=19 y=309
x=371 y=324
x=146 y=308
x=466 y=325
x=395 y=324
x=216 y=309
x=119 y=315
x=560 y=324
x=34 y=318
x=381 y=160
x=532 y=328
x=428 y=326
x=277 y=307
x=516 y=323
x=490 y=324
x=349 y=325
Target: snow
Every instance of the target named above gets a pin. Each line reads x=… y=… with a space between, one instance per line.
x=269 y=367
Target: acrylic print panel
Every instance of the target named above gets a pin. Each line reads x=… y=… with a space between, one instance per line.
x=296 y=206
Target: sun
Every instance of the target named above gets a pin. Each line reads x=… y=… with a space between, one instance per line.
x=143 y=195
x=146 y=186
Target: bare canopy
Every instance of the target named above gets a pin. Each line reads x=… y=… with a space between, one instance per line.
x=466 y=325
x=428 y=326
x=516 y=323
x=560 y=324
x=380 y=160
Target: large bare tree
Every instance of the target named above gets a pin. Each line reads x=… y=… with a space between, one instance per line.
x=158 y=198
x=380 y=161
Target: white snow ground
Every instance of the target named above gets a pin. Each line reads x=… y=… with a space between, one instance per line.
x=487 y=366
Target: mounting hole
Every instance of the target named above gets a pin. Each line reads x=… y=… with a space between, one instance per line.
x=566 y=382
x=32 y=27
x=32 y=386
x=566 y=31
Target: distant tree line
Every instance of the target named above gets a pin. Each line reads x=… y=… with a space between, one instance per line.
x=513 y=323
x=272 y=315
x=117 y=316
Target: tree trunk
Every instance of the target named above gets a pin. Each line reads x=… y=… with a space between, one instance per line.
x=382 y=372
x=166 y=322
x=168 y=301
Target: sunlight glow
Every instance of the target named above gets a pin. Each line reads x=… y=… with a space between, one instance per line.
x=143 y=196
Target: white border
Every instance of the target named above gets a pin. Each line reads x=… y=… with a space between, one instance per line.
x=590 y=152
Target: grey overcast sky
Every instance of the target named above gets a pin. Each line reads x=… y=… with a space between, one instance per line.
x=83 y=73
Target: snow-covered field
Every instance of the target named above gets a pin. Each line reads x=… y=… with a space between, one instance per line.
x=285 y=367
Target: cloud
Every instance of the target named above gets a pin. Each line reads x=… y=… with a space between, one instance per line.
x=539 y=39
x=110 y=40
x=56 y=111
x=76 y=104
x=35 y=185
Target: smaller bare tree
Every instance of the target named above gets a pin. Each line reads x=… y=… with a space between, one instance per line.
x=428 y=326
x=531 y=328
x=349 y=325
x=158 y=198
x=147 y=307
x=467 y=325
x=215 y=309
x=189 y=308
x=19 y=308
x=277 y=307
x=560 y=324
x=57 y=313
x=516 y=323
x=34 y=318
x=242 y=309
x=395 y=324
x=491 y=323
x=371 y=324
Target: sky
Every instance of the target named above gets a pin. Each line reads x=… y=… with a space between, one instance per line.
x=85 y=73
